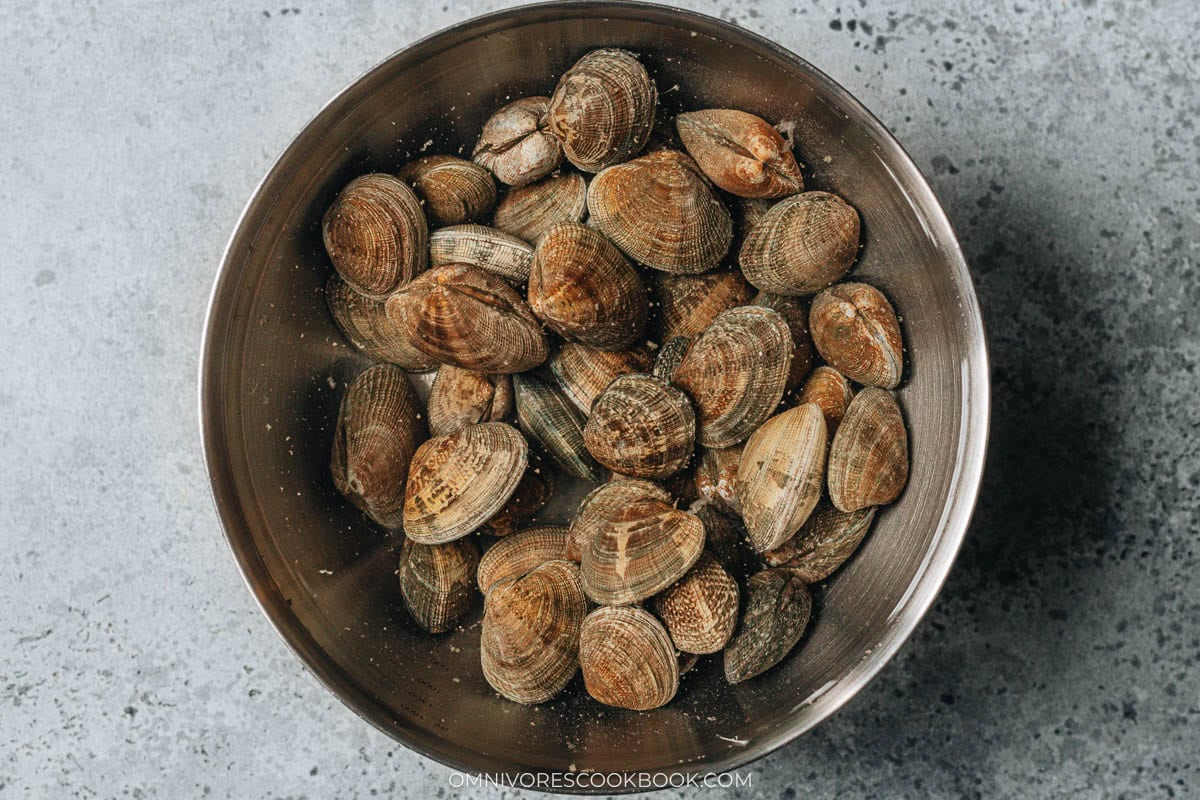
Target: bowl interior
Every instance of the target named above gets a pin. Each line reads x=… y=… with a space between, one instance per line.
x=275 y=368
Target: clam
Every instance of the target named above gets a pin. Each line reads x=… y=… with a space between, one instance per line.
x=530 y=496
x=553 y=422
x=627 y=659
x=459 y=481
x=583 y=371
x=662 y=212
x=716 y=477
x=688 y=303
x=529 y=645
x=515 y=144
x=777 y=610
x=365 y=325
x=472 y=319
x=780 y=475
x=795 y=314
x=801 y=245
x=530 y=211
x=740 y=152
x=437 y=582
x=517 y=555
x=461 y=397
x=735 y=373
x=480 y=246
x=584 y=289
x=670 y=355
x=376 y=235
x=722 y=538
x=856 y=331
x=379 y=427
x=868 y=461
x=602 y=110
x=641 y=426
x=828 y=538
x=831 y=392
x=602 y=503
x=454 y=190
x=701 y=610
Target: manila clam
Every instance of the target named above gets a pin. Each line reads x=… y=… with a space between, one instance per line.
x=831 y=392
x=549 y=418
x=856 y=331
x=868 y=461
x=454 y=190
x=740 y=152
x=480 y=246
x=376 y=234
x=641 y=426
x=716 y=477
x=364 y=323
x=670 y=356
x=828 y=538
x=777 y=610
x=801 y=245
x=700 y=611
x=515 y=144
x=583 y=371
x=517 y=555
x=688 y=303
x=530 y=211
x=627 y=659
x=795 y=314
x=603 y=502
x=437 y=582
x=461 y=397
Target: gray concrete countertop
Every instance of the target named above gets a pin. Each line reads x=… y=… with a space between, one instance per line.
x=1063 y=657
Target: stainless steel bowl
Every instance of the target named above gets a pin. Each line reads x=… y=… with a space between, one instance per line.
x=273 y=368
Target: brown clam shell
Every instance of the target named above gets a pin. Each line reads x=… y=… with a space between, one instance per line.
x=722 y=538
x=602 y=503
x=365 y=325
x=662 y=212
x=701 y=610
x=795 y=313
x=602 y=110
x=517 y=555
x=641 y=426
x=530 y=211
x=515 y=144
x=459 y=481
x=826 y=541
x=716 y=477
x=379 y=427
x=583 y=371
x=778 y=607
x=530 y=496
x=868 y=461
x=437 y=582
x=549 y=418
x=489 y=249
x=461 y=397
x=856 y=331
x=740 y=152
x=670 y=356
x=801 y=245
x=454 y=190
x=376 y=235
x=688 y=303
x=627 y=659
x=472 y=319
x=748 y=212
x=831 y=392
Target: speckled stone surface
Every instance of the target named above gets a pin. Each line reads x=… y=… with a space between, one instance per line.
x=1063 y=658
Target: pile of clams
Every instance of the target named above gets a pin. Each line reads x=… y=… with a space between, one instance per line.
x=664 y=319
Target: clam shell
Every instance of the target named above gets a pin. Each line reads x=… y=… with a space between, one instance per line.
x=530 y=496
x=735 y=373
x=517 y=555
x=585 y=290
x=375 y=234
x=602 y=110
x=459 y=481
x=780 y=475
x=868 y=461
x=777 y=610
x=461 y=397
x=437 y=582
x=740 y=152
x=515 y=144
x=670 y=356
x=365 y=325
x=603 y=502
x=716 y=478
x=379 y=427
x=795 y=314
x=480 y=246
x=641 y=426
x=530 y=211
x=627 y=659
x=472 y=319
x=749 y=212
x=826 y=541
x=553 y=422
x=801 y=245
x=722 y=538
x=662 y=212
x=831 y=392
x=688 y=303
x=529 y=644
x=856 y=331
x=583 y=371
x=701 y=610
x=454 y=190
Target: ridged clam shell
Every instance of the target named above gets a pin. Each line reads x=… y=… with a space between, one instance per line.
x=530 y=496
x=454 y=190
x=662 y=212
x=688 y=303
x=517 y=555
x=480 y=246
x=826 y=541
x=530 y=211
x=780 y=475
x=641 y=426
x=437 y=582
x=515 y=144
x=670 y=356
x=856 y=331
x=529 y=645
x=458 y=482
x=603 y=502
x=602 y=110
x=549 y=418
x=801 y=245
x=365 y=325
x=701 y=610
x=376 y=235
x=740 y=152
x=461 y=397
x=735 y=373
x=795 y=313
x=379 y=427
x=583 y=371
x=831 y=392
x=472 y=319
x=716 y=477
x=585 y=290
x=777 y=610
x=868 y=461
x=722 y=538
x=627 y=659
